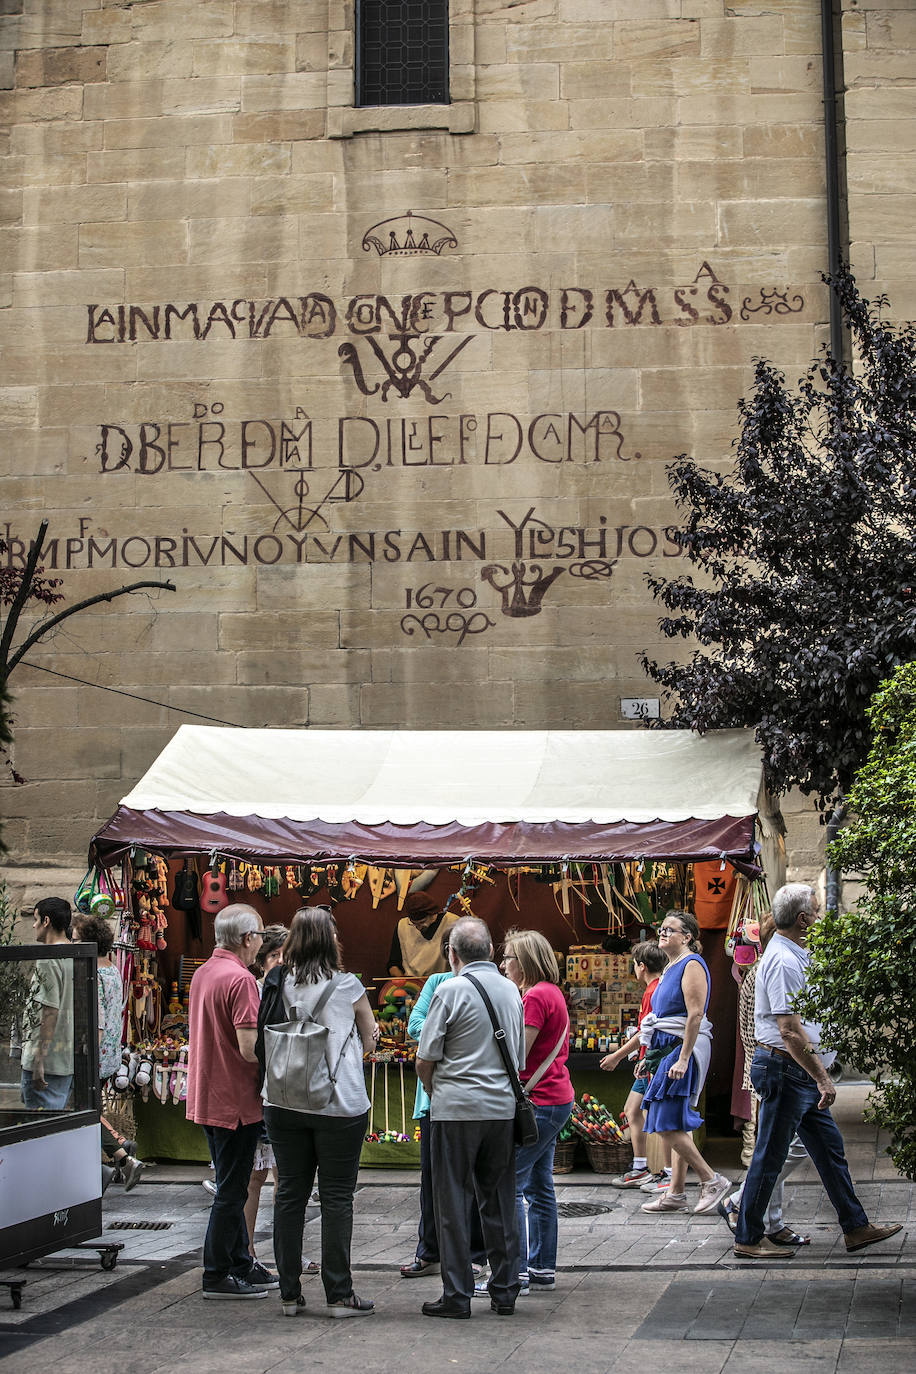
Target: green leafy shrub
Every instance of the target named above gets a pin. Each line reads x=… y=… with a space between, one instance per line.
x=862 y=983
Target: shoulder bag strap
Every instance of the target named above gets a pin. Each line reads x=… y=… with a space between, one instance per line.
x=500 y=1037
x=545 y=1064
x=299 y=1013
x=332 y=983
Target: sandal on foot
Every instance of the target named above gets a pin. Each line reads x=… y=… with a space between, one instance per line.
x=312 y=1267
x=786 y=1236
x=351 y=1307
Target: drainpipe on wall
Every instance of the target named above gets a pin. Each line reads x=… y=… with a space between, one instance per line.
x=837 y=241
x=837 y=231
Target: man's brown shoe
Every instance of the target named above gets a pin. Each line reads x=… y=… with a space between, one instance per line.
x=763 y=1250
x=869 y=1235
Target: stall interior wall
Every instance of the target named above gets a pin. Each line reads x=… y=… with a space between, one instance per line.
x=366 y=933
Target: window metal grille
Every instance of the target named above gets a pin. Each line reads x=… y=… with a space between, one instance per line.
x=402 y=52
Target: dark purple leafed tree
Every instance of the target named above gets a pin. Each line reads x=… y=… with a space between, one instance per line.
x=801 y=598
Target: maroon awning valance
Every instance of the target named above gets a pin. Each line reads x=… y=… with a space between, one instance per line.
x=287 y=841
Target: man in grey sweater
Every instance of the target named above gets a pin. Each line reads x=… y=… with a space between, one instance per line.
x=472 y=1115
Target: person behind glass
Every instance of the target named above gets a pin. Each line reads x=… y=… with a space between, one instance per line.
x=426 y=1259
x=530 y=963
x=94 y=931
x=648 y=965
x=789 y=1075
x=47 y=1020
x=329 y=1141
x=677 y=1061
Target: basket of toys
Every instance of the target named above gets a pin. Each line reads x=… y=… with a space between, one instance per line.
x=606 y=1146
x=564 y=1151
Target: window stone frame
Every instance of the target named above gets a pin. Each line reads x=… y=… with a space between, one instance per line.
x=346 y=119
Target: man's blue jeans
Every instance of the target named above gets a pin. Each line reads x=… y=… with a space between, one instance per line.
x=537 y=1242
x=788 y=1104
x=226 y=1241
x=52 y=1098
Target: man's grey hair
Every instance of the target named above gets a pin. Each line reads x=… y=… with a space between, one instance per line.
x=233 y=923
x=470 y=940
x=789 y=902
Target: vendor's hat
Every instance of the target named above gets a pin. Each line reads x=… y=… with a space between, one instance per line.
x=417 y=905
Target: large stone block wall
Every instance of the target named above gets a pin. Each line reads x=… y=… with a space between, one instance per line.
x=411 y=488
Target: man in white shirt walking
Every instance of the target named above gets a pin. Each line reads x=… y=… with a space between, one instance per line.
x=789 y=1075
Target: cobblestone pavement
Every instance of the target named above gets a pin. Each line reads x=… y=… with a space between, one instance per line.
x=630 y=1286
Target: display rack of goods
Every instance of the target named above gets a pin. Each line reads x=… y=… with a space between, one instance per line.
x=390 y=1144
x=606 y=1146
x=396 y=998
x=603 y=998
x=157 y=1069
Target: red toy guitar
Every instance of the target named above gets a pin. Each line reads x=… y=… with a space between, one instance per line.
x=213 y=890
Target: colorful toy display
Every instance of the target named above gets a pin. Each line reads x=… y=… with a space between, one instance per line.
x=593 y=1122
x=389 y=1136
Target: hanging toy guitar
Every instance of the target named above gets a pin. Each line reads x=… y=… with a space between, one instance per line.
x=214 y=893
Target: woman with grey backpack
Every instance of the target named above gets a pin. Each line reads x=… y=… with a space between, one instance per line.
x=314 y=1026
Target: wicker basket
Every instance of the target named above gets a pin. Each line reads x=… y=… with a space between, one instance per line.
x=564 y=1155
x=609 y=1157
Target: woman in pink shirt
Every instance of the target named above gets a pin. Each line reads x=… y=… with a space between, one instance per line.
x=530 y=963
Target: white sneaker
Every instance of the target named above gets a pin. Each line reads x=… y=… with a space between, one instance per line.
x=657 y=1183
x=209 y=1186
x=633 y=1178
x=712 y=1193
x=666 y=1202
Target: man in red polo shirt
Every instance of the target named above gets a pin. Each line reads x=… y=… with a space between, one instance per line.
x=224 y=1097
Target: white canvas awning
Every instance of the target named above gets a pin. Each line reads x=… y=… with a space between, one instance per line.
x=424 y=795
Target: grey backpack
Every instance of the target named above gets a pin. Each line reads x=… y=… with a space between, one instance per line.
x=298 y=1074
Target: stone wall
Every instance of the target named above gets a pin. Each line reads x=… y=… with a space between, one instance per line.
x=400 y=470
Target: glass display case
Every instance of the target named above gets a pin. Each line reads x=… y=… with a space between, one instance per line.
x=50 y=1145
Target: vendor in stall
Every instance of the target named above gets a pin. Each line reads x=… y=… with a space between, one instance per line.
x=415 y=946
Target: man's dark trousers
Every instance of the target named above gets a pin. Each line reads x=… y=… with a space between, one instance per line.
x=788 y=1104
x=226 y=1241
x=473 y=1166
x=427 y=1240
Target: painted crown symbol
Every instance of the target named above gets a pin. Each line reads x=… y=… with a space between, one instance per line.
x=408 y=236
x=521 y=596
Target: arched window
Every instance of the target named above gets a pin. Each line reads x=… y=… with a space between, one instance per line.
x=402 y=52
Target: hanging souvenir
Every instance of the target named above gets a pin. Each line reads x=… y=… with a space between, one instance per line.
x=214 y=893
x=714 y=895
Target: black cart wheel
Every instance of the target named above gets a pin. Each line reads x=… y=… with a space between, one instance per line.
x=109 y=1260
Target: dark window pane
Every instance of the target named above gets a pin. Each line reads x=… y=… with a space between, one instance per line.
x=402 y=52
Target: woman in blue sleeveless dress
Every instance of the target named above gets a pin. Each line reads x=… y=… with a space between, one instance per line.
x=677 y=1059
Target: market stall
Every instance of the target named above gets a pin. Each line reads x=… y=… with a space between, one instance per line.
x=584 y=835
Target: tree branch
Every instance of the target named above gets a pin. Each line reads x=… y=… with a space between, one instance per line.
x=20 y=598
x=72 y=610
